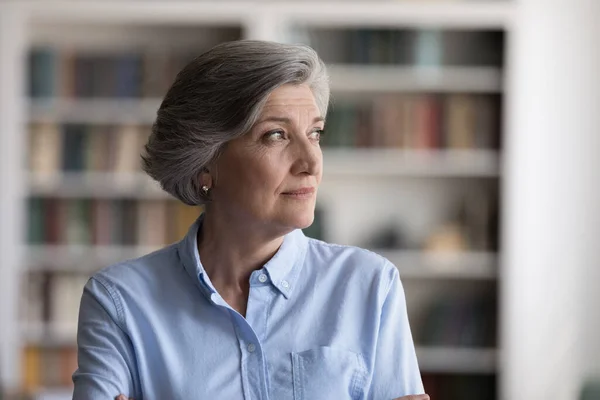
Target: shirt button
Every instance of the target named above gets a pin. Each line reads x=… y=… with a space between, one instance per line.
x=251 y=347
x=285 y=284
x=262 y=278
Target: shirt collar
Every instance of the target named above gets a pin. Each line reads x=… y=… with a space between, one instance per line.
x=283 y=268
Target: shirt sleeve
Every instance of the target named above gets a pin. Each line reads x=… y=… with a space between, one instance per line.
x=396 y=371
x=106 y=360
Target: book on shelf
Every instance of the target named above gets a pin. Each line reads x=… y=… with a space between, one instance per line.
x=44 y=69
x=428 y=48
x=45 y=148
x=152 y=214
x=32 y=307
x=460 y=122
x=64 y=297
x=130 y=142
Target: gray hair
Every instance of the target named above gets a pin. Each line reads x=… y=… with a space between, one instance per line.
x=218 y=97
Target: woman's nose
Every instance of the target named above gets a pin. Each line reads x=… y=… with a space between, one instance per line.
x=308 y=158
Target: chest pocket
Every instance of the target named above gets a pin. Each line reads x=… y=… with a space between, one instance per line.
x=328 y=373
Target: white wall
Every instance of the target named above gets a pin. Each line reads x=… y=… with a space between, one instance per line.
x=552 y=200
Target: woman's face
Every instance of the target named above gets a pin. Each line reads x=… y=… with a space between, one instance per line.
x=270 y=175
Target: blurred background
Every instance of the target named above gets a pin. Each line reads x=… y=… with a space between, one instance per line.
x=461 y=143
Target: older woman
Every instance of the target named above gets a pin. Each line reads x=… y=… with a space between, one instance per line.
x=246 y=306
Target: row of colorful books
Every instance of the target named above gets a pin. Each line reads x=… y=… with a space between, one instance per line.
x=55 y=221
x=416 y=122
x=421 y=47
x=56 y=72
x=76 y=147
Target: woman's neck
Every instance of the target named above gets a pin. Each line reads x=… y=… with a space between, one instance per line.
x=230 y=251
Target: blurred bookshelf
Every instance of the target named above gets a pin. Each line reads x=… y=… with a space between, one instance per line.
x=412 y=153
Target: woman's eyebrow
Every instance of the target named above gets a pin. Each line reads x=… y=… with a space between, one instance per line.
x=287 y=120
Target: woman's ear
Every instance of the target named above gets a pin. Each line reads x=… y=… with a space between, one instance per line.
x=206 y=178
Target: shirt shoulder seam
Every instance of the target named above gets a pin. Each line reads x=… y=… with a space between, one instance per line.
x=108 y=286
x=391 y=282
x=344 y=246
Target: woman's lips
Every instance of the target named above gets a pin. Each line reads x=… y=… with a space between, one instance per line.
x=302 y=193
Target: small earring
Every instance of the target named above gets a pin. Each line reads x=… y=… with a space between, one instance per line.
x=205 y=190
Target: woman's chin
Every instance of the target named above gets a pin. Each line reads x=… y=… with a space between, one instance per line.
x=300 y=221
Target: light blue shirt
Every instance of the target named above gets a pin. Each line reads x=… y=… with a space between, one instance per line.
x=323 y=321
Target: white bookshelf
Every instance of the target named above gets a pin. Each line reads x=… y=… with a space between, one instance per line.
x=472 y=15
x=425 y=265
x=537 y=113
x=261 y=20
x=365 y=78
x=94 y=111
x=95 y=184
x=179 y=12
x=411 y=264
x=53 y=394
x=80 y=258
x=48 y=335
x=446 y=14
x=391 y=162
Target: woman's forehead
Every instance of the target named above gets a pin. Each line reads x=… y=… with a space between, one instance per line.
x=291 y=95
x=286 y=112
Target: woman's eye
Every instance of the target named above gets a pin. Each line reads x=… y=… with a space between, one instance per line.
x=317 y=134
x=274 y=135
